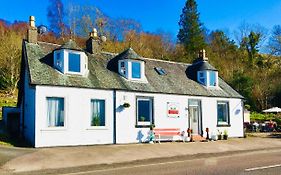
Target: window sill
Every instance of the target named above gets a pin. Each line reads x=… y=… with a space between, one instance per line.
x=54 y=129
x=223 y=125
x=142 y=126
x=97 y=128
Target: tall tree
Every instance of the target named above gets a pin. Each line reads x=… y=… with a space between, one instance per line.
x=191 y=30
x=275 y=41
x=56 y=17
x=251 y=43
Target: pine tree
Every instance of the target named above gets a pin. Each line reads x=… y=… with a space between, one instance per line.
x=191 y=30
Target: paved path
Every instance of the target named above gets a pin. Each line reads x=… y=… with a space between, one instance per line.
x=63 y=157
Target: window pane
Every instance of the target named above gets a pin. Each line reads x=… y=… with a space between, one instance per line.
x=136 y=70
x=144 y=107
x=223 y=113
x=202 y=78
x=55 y=111
x=123 y=68
x=212 y=77
x=74 y=62
x=98 y=113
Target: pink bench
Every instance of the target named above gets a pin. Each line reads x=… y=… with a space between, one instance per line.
x=159 y=132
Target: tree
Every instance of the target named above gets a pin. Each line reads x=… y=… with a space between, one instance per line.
x=275 y=41
x=250 y=43
x=191 y=30
x=10 y=51
x=55 y=14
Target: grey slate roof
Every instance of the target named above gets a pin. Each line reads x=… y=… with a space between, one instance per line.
x=103 y=74
x=71 y=45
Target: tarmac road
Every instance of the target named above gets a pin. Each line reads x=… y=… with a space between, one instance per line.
x=263 y=162
x=245 y=163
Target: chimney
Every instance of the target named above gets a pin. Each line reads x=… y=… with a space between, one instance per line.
x=93 y=44
x=202 y=55
x=32 y=31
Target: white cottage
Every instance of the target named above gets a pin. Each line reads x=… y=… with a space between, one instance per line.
x=74 y=96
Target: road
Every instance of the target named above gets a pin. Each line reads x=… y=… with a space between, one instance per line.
x=245 y=163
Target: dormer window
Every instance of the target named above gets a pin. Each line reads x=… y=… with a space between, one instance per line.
x=131 y=66
x=132 y=70
x=208 y=78
x=71 y=62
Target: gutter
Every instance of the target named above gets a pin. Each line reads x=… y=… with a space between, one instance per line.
x=114 y=116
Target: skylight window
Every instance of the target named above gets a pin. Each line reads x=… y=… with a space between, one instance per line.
x=160 y=71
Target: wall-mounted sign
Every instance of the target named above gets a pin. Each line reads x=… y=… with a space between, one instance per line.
x=173 y=109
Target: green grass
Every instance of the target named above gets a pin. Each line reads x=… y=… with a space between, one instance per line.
x=7 y=100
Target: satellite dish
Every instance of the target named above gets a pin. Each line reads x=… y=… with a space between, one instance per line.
x=42 y=29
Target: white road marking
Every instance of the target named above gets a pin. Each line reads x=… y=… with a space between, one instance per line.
x=127 y=167
x=263 y=167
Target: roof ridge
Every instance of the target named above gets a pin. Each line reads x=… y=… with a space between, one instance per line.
x=166 y=61
x=49 y=43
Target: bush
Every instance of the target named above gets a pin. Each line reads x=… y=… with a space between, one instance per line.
x=261 y=117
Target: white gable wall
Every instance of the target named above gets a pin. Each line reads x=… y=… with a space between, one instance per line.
x=77 y=129
x=29 y=110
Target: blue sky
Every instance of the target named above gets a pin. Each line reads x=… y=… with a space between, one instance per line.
x=162 y=15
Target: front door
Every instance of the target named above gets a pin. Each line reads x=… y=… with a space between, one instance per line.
x=194 y=107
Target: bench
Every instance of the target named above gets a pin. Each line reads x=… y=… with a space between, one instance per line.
x=158 y=132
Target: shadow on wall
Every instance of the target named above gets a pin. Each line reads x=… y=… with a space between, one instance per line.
x=120 y=108
x=140 y=136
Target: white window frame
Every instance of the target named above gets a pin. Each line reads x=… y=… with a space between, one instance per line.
x=123 y=71
x=105 y=115
x=216 y=78
x=64 y=54
x=224 y=123
x=56 y=128
x=145 y=123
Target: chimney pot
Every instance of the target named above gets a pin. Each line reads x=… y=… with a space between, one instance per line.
x=32 y=21
x=202 y=55
x=32 y=31
x=93 y=43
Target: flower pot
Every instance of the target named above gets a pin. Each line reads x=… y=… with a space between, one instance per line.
x=225 y=137
x=219 y=137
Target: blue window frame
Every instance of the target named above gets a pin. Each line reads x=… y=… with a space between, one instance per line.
x=55 y=111
x=74 y=62
x=136 y=70
x=212 y=78
x=98 y=112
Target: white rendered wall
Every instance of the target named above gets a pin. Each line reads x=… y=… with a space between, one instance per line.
x=209 y=119
x=28 y=111
x=126 y=117
x=77 y=129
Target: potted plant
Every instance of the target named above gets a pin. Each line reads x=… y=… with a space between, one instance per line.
x=151 y=134
x=126 y=105
x=95 y=120
x=225 y=134
x=219 y=135
x=142 y=118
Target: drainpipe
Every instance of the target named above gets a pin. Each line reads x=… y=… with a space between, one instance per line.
x=114 y=116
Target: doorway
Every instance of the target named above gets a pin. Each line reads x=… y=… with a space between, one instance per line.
x=194 y=108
